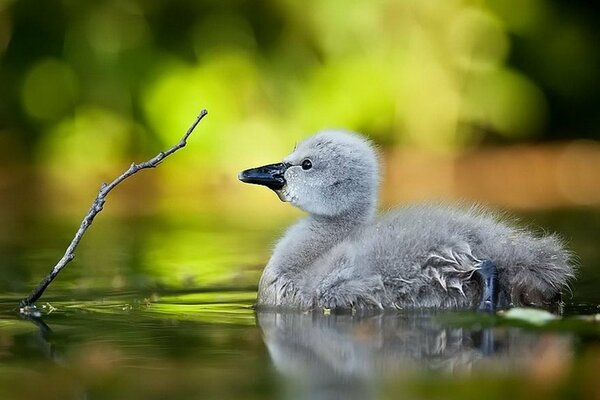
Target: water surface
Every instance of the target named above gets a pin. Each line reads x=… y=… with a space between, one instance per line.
x=162 y=308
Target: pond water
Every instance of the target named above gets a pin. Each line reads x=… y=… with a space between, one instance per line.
x=161 y=307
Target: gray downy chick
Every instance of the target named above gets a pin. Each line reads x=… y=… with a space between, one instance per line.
x=342 y=256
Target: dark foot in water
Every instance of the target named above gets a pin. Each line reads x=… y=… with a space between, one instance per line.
x=484 y=340
x=488 y=275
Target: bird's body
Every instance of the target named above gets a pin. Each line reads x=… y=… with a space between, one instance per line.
x=342 y=256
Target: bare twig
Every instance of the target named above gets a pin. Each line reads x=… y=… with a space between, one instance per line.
x=27 y=303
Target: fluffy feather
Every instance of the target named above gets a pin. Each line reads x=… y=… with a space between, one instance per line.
x=342 y=256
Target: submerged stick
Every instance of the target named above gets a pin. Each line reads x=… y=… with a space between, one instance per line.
x=27 y=304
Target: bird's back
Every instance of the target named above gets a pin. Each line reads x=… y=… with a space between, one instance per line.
x=426 y=256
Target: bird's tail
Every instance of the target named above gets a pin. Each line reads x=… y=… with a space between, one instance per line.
x=536 y=271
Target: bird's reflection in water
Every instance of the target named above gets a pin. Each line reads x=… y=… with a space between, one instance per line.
x=345 y=356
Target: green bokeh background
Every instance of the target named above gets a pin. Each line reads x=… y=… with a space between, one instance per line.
x=86 y=87
x=85 y=83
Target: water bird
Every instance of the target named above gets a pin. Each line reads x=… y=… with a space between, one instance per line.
x=342 y=256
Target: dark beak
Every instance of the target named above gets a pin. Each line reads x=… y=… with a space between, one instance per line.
x=270 y=175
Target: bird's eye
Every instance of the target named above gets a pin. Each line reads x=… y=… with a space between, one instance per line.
x=306 y=164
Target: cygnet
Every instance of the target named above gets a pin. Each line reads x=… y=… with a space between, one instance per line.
x=342 y=256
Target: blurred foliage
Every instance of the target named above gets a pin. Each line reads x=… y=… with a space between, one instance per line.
x=91 y=82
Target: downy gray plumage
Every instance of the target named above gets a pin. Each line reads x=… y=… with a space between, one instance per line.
x=343 y=256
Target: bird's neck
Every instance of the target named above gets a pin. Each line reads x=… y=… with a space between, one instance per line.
x=305 y=242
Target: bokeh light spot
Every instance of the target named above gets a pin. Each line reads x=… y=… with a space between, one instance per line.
x=577 y=172
x=111 y=30
x=477 y=39
x=505 y=102
x=49 y=90
x=92 y=142
x=226 y=84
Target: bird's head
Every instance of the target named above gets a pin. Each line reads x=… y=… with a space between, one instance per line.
x=328 y=174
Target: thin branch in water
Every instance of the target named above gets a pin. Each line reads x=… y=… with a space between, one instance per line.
x=27 y=304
